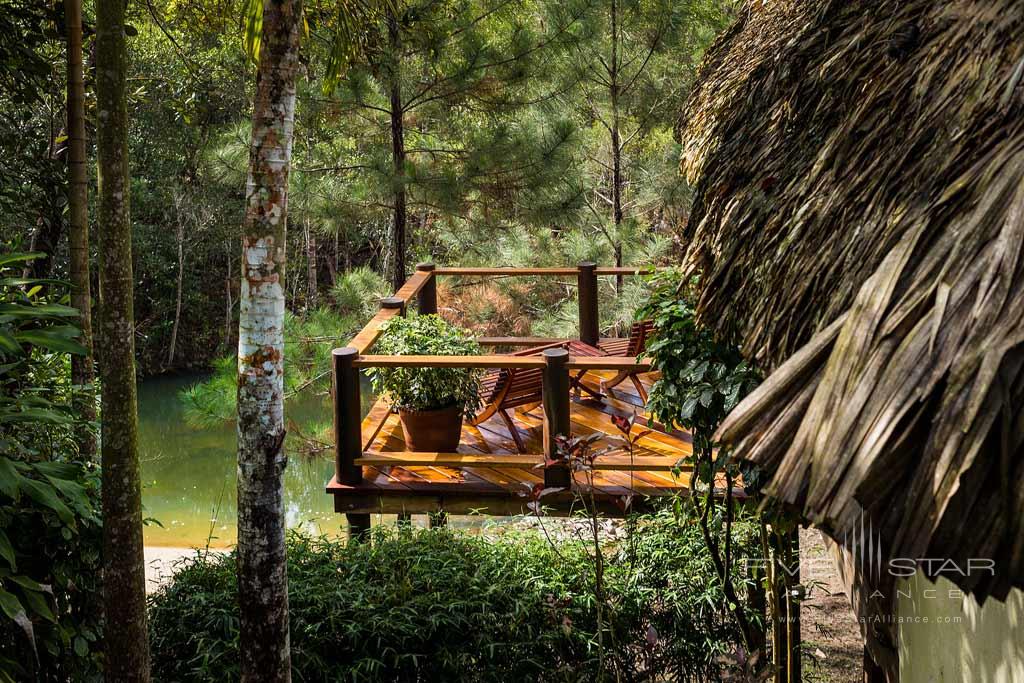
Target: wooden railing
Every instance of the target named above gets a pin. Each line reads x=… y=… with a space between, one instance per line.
x=351 y=453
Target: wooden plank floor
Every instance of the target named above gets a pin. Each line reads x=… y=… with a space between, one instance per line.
x=502 y=490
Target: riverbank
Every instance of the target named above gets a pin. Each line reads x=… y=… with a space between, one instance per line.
x=161 y=560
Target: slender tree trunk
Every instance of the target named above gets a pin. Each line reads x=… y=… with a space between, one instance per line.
x=397 y=151
x=179 y=234
x=786 y=630
x=616 y=145
x=78 y=217
x=262 y=574
x=311 y=284
x=49 y=224
x=332 y=263
x=229 y=303
x=124 y=575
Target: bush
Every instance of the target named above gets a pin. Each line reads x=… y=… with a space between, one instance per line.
x=359 y=291
x=50 y=534
x=51 y=623
x=442 y=605
x=426 y=388
x=309 y=339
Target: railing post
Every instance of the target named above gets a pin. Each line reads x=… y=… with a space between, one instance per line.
x=347 y=428
x=393 y=302
x=427 y=298
x=586 y=294
x=556 y=413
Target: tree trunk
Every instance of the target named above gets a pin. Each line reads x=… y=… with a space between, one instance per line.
x=49 y=223
x=229 y=303
x=786 y=637
x=124 y=576
x=311 y=284
x=397 y=151
x=332 y=263
x=262 y=573
x=616 y=145
x=179 y=234
x=78 y=218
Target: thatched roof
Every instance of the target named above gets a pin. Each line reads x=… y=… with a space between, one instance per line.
x=859 y=221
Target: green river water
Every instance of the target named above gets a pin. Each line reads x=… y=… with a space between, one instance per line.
x=188 y=473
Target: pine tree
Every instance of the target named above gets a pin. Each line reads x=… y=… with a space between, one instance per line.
x=441 y=88
x=633 y=86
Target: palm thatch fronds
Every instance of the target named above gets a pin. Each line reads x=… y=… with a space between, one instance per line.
x=859 y=222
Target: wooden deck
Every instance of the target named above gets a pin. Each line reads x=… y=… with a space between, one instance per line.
x=487 y=476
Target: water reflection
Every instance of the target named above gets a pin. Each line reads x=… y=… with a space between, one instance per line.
x=188 y=473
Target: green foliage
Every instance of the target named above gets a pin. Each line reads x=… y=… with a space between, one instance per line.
x=442 y=605
x=702 y=378
x=502 y=137
x=359 y=291
x=212 y=402
x=50 y=536
x=309 y=339
x=49 y=500
x=31 y=177
x=671 y=585
x=426 y=388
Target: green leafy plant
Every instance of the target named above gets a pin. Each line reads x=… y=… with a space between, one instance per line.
x=702 y=379
x=49 y=499
x=309 y=339
x=426 y=388
x=444 y=605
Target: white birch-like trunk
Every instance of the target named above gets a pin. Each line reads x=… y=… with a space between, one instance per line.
x=262 y=573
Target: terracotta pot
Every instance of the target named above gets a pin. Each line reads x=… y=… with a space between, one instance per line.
x=432 y=431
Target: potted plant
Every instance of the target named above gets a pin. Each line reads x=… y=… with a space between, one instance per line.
x=429 y=401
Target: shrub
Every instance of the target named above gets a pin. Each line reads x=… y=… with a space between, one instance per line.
x=443 y=605
x=309 y=339
x=358 y=292
x=50 y=534
x=426 y=388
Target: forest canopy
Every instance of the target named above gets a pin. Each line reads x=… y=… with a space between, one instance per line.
x=470 y=131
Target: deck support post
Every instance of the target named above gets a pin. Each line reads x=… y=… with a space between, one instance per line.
x=394 y=302
x=586 y=295
x=438 y=518
x=556 y=413
x=427 y=298
x=358 y=526
x=347 y=428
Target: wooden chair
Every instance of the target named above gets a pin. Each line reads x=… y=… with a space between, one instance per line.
x=631 y=346
x=503 y=389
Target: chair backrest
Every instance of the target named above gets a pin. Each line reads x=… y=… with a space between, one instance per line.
x=524 y=385
x=639 y=333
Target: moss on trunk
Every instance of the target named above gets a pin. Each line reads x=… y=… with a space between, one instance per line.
x=124 y=576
